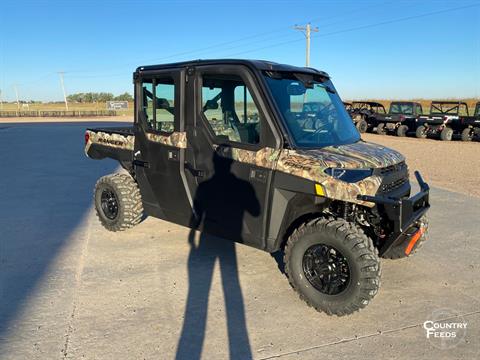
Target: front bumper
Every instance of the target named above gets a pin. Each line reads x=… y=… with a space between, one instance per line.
x=404 y=213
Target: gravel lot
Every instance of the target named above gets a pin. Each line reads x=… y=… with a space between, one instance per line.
x=452 y=165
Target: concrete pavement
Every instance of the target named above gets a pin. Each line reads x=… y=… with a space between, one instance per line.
x=71 y=289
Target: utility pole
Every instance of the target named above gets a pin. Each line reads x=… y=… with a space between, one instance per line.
x=307 y=30
x=63 y=88
x=16 y=93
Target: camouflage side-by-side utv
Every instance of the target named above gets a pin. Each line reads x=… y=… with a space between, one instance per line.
x=266 y=155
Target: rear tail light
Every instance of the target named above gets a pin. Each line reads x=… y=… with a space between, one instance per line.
x=87 y=137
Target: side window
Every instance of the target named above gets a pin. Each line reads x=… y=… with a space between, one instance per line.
x=230 y=110
x=418 y=110
x=159 y=104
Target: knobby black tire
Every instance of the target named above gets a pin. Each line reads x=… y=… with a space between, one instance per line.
x=446 y=134
x=402 y=130
x=381 y=129
x=362 y=126
x=467 y=134
x=421 y=132
x=355 y=246
x=130 y=208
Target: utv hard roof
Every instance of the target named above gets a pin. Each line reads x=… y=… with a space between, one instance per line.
x=371 y=103
x=405 y=102
x=256 y=64
x=450 y=102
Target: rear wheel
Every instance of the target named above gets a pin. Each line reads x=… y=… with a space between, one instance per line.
x=467 y=134
x=118 y=202
x=362 y=126
x=332 y=265
x=402 y=130
x=381 y=129
x=421 y=132
x=446 y=134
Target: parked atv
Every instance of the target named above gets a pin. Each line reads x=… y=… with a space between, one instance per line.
x=444 y=117
x=401 y=118
x=468 y=127
x=364 y=114
x=228 y=147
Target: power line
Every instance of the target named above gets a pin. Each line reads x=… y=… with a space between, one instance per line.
x=359 y=28
x=226 y=43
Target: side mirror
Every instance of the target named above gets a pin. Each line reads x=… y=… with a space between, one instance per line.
x=211 y=105
x=163 y=104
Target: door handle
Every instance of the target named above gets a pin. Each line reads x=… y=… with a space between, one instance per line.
x=195 y=172
x=258 y=175
x=172 y=155
x=141 y=163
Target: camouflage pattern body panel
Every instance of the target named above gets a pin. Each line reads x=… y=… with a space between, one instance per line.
x=311 y=164
x=265 y=157
x=175 y=139
x=126 y=142
x=307 y=164
x=113 y=140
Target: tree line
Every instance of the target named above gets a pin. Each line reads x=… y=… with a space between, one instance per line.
x=98 y=97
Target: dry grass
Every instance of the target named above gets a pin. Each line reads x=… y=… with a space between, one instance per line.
x=61 y=107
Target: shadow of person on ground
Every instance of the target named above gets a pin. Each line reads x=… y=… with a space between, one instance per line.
x=225 y=197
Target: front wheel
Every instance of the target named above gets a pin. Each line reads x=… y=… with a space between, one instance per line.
x=118 y=202
x=381 y=129
x=362 y=126
x=446 y=134
x=467 y=134
x=332 y=265
x=421 y=132
x=402 y=130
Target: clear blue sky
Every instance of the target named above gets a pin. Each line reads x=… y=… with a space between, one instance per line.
x=372 y=49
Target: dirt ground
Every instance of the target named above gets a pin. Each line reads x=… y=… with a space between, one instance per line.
x=452 y=165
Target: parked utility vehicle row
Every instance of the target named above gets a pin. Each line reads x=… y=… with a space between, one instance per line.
x=446 y=119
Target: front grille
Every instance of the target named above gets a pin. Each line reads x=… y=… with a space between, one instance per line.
x=388 y=187
x=392 y=168
x=393 y=177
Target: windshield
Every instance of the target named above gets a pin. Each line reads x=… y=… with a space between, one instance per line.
x=398 y=108
x=312 y=110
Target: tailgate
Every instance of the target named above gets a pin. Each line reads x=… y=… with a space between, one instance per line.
x=115 y=142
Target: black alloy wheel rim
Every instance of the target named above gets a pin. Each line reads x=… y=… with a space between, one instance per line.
x=326 y=269
x=109 y=204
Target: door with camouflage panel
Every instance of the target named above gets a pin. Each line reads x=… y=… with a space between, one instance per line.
x=160 y=143
x=227 y=130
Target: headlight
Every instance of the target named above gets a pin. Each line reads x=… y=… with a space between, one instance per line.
x=349 y=175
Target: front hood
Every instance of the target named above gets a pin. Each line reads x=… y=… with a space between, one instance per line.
x=359 y=155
